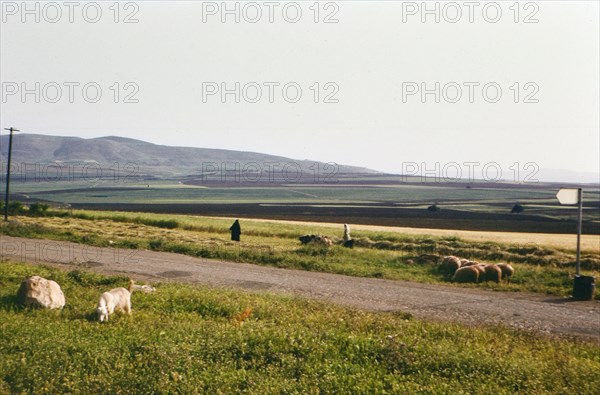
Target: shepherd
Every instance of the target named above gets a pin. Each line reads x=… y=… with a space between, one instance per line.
x=348 y=242
x=347 y=233
x=236 y=230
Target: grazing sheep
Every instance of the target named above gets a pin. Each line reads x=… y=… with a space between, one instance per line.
x=306 y=238
x=481 y=269
x=463 y=262
x=469 y=263
x=117 y=298
x=507 y=271
x=493 y=273
x=467 y=274
x=449 y=265
x=324 y=240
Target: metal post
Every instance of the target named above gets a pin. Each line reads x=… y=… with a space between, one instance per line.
x=8 y=171
x=579 y=219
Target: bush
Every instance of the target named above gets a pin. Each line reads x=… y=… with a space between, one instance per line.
x=433 y=208
x=38 y=209
x=16 y=208
x=517 y=208
x=155 y=244
x=161 y=223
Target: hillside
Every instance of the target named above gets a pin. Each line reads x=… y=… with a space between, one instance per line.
x=152 y=159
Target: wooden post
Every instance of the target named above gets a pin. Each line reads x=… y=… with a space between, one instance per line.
x=11 y=129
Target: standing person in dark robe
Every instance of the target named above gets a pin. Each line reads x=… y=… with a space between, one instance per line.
x=236 y=230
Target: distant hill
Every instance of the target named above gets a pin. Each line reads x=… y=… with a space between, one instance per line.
x=152 y=159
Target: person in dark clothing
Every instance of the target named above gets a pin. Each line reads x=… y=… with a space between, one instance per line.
x=236 y=230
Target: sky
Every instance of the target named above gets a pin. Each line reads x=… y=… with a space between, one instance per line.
x=395 y=86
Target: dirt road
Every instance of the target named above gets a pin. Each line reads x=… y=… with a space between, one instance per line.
x=553 y=315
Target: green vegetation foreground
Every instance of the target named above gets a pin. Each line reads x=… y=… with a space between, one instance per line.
x=185 y=339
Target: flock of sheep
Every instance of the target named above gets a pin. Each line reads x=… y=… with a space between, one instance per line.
x=327 y=241
x=460 y=270
x=316 y=239
x=465 y=271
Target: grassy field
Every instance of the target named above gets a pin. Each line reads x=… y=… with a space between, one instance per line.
x=538 y=199
x=565 y=242
x=184 y=339
x=391 y=255
x=292 y=194
x=375 y=200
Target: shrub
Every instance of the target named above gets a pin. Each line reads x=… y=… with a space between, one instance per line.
x=167 y=224
x=155 y=244
x=38 y=209
x=517 y=208
x=16 y=208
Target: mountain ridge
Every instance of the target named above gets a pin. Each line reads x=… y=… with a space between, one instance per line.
x=175 y=160
x=157 y=160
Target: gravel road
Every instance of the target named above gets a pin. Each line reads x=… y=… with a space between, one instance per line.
x=541 y=313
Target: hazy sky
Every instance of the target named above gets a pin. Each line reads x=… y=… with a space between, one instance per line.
x=371 y=65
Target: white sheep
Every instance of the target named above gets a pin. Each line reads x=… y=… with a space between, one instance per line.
x=450 y=264
x=117 y=298
x=493 y=273
x=467 y=274
x=507 y=271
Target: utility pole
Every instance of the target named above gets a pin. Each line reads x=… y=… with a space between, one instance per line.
x=11 y=129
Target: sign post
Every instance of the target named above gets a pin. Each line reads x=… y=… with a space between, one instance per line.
x=583 y=286
x=579 y=220
x=574 y=196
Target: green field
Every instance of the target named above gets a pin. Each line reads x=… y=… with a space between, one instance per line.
x=396 y=202
x=378 y=254
x=184 y=339
x=170 y=193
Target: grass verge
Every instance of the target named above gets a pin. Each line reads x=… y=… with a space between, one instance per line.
x=185 y=339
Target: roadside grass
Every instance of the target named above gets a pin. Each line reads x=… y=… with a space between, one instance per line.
x=380 y=254
x=192 y=339
x=381 y=239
